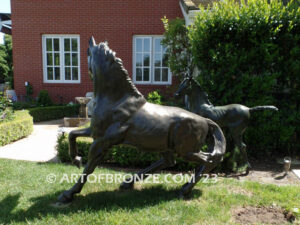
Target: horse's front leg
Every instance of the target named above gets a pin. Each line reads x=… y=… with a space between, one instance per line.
x=167 y=161
x=72 y=144
x=96 y=154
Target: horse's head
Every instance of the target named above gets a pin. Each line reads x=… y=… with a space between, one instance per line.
x=107 y=71
x=184 y=87
x=100 y=58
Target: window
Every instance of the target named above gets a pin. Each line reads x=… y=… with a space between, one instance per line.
x=61 y=59
x=150 y=61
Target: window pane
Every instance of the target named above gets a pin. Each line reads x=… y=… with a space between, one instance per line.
x=74 y=44
x=157 y=46
x=146 y=45
x=57 y=73
x=56 y=59
x=157 y=75
x=50 y=73
x=67 y=44
x=157 y=60
x=49 y=44
x=139 y=45
x=164 y=49
x=165 y=75
x=146 y=59
x=67 y=59
x=165 y=60
x=49 y=59
x=67 y=73
x=74 y=73
x=146 y=74
x=74 y=59
x=56 y=44
x=139 y=59
x=139 y=75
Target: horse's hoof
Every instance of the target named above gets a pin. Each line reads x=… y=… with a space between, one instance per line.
x=183 y=195
x=59 y=205
x=126 y=186
x=184 y=192
x=65 y=198
x=77 y=162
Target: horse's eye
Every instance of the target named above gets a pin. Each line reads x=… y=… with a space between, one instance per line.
x=88 y=52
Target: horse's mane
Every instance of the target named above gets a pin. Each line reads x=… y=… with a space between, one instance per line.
x=118 y=68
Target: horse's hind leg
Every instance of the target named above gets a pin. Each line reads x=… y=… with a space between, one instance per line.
x=202 y=169
x=96 y=154
x=167 y=161
x=238 y=139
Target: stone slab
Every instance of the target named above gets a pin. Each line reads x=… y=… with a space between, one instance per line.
x=296 y=172
x=75 y=122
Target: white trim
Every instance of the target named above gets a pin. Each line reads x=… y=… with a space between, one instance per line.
x=62 y=61
x=151 y=61
x=190 y=16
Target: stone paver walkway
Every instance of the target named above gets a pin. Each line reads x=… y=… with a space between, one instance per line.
x=38 y=147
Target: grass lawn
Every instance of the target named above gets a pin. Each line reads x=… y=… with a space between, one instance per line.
x=25 y=198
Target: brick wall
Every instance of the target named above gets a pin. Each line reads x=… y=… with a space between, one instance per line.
x=115 y=21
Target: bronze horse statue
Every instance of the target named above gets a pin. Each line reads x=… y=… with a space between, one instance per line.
x=233 y=116
x=121 y=115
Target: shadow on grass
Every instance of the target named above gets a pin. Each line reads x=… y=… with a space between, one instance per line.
x=108 y=200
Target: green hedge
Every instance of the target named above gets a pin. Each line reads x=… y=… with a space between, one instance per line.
x=20 y=127
x=53 y=112
x=122 y=155
x=250 y=54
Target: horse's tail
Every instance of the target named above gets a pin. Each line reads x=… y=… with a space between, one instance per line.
x=265 y=107
x=219 y=147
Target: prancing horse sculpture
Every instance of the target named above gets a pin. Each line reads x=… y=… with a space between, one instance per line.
x=233 y=116
x=122 y=116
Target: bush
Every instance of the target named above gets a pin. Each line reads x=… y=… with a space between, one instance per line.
x=20 y=127
x=250 y=54
x=53 y=112
x=178 y=46
x=122 y=155
x=154 y=97
x=6 y=112
x=44 y=99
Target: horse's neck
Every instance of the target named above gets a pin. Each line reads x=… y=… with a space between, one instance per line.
x=115 y=91
x=197 y=99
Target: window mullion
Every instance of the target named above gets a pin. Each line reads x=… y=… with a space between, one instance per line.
x=61 y=52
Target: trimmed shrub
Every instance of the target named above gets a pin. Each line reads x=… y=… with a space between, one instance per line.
x=53 y=112
x=6 y=112
x=44 y=99
x=20 y=127
x=250 y=54
x=122 y=155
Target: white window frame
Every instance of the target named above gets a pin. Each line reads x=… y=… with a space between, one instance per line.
x=152 y=55
x=62 y=59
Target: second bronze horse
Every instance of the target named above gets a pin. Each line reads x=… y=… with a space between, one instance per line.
x=233 y=116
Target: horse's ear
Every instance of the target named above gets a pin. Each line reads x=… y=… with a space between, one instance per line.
x=92 y=42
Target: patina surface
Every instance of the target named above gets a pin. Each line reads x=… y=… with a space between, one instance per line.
x=233 y=116
x=121 y=115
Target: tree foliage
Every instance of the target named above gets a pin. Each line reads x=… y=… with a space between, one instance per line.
x=6 y=62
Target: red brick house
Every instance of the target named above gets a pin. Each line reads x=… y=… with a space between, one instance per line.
x=50 y=39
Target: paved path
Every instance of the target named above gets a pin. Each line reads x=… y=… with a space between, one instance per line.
x=38 y=147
